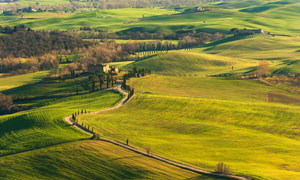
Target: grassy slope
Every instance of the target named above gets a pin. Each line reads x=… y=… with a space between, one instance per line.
x=88 y=160
x=281 y=19
x=44 y=126
x=212 y=88
x=112 y=19
x=282 y=52
x=51 y=87
x=16 y=81
x=183 y=62
x=256 y=138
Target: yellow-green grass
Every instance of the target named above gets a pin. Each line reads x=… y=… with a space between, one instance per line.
x=282 y=19
x=260 y=140
x=282 y=52
x=20 y=80
x=261 y=47
x=44 y=126
x=113 y=18
x=191 y=63
x=208 y=87
x=88 y=160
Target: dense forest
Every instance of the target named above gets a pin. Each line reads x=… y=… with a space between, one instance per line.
x=21 y=42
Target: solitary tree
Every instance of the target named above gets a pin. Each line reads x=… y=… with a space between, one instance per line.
x=264 y=68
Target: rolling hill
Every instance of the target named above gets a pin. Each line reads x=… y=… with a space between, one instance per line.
x=214 y=120
x=188 y=63
x=88 y=160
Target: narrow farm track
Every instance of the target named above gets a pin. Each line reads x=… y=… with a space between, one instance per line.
x=174 y=163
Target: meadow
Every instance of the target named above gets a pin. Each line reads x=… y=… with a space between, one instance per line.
x=88 y=160
x=189 y=63
x=256 y=138
x=20 y=80
x=184 y=111
x=66 y=86
x=281 y=19
x=44 y=125
x=231 y=89
x=104 y=19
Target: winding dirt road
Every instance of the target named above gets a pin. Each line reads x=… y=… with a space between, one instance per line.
x=174 y=163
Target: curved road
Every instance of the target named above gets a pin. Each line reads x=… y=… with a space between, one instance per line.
x=174 y=163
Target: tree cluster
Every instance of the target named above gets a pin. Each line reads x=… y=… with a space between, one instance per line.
x=6 y=103
x=7 y=106
x=17 y=66
x=21 y=42
x=135 y=72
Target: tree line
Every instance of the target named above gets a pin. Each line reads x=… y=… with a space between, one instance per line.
x=87 y=32
x=15 y=66
x=22 y=42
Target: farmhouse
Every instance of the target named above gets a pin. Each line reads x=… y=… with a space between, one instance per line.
x=103 y=68
x=256 y=31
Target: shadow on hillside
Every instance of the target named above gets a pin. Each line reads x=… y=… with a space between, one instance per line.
x=15 y=124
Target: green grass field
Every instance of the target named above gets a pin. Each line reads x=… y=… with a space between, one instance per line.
x=44 y=126
x=230 y=89
x=214 y=120
x=20 y=80
x=282 y=52
x=88 y=160
x=105 y=19
x=190 y=63
x=180 y=112
x=280 y=19
x=51 y=87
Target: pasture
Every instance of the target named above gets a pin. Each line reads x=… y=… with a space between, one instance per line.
x=20 y=80
x=44 y=126
x=231 y=89
x=214 y=120
x=88 y=160
x=104 y=19
x=190 y=63
x=280 y=19
x=180 y=112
